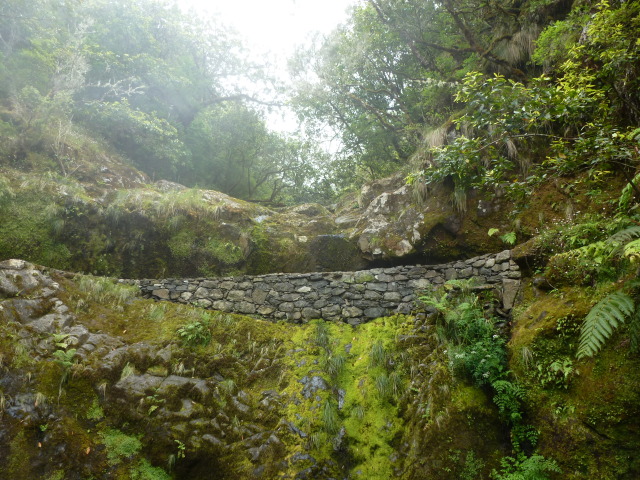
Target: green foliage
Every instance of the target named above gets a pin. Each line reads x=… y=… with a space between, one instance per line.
x=196 y=333
x=509 y=238
x=64 y=358
x=95 y=412
x=330 y=418
x=321 y=336
x=153 y=143
x=334 y=365
x=535 y=467
x=509 y=397
x=145 y=471
x=378 y=355
x=119 y=445
x=603 y=319
x=181 y=449
x=105 y=291
x=478 y=352
x=557 y=373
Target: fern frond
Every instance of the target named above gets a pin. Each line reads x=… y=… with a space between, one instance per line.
x=624 y=236
x=603 y=319
x=507 y=398
x=627 y=194
x=634 y=331
x=632 y=250
x=597 y=251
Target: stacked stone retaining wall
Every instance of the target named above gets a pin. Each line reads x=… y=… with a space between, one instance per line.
x=354 y=297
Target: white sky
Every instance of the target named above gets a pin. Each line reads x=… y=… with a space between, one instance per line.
x=271 y=29
x=276 y=25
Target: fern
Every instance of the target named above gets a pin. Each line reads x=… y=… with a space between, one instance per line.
x=627 y=194
x=534 y=467
x=632 y=250
x=619 y=241
x=626 y=235
x=603 y=319
x=634 y=331
x=625 y=242
x=507 y=398
x=596 y=251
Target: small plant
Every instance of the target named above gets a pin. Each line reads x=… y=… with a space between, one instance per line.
x=181 y=449
x=154 y=403
x=227 y=386
x=334 y=365
x=119 y=445
x=378 y=355
x=603 y=319
x=321 y=336
x=95 y=412
x=534 y=467
x=157 y=312
x=60 y=340
x=127 y=371
x=106 y=291
x=556 y=374
x=383 y=386
x=508 y=238
x=196 y=333
x=41 y=400
x=64 y=358
x=358 y=412
x=330 y=418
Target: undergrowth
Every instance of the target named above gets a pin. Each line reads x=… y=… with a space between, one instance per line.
x=477 y=352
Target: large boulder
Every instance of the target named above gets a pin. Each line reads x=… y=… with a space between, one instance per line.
x=422 y=224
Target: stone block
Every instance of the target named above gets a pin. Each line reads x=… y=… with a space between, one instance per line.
x=380 y=287
x=375 y=312
x=419 y=284
x=310 y=313
x=330 y=311
x=201 y=292
x=161 y=293
x=286 y=307
x=222 y=305
x=392 y=296
x=510 y=290
x=349 y=312
x=465 y=272
x=245 y=307
x=503 y=256
x=451 y=274
x=236 y=295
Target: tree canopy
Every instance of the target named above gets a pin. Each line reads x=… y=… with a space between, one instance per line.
x=173 y=93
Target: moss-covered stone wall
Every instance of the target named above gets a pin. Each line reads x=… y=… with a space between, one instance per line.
x=354 y=297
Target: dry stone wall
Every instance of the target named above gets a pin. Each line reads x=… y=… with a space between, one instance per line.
x=353 y=297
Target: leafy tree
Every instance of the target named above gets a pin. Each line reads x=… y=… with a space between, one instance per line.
x=386 y=80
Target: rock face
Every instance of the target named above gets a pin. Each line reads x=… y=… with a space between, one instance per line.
x=397 y=220
x=354 y=297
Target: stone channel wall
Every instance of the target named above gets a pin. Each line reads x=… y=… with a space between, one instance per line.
x=354 y=297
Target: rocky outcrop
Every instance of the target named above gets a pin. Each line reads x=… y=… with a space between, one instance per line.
x=396 y=220
x=354 y=297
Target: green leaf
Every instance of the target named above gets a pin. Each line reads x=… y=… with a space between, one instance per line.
x=601 y=322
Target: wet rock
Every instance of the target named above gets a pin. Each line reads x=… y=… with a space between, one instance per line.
x=510 y=290
x=311 y=385
x=133 y=387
